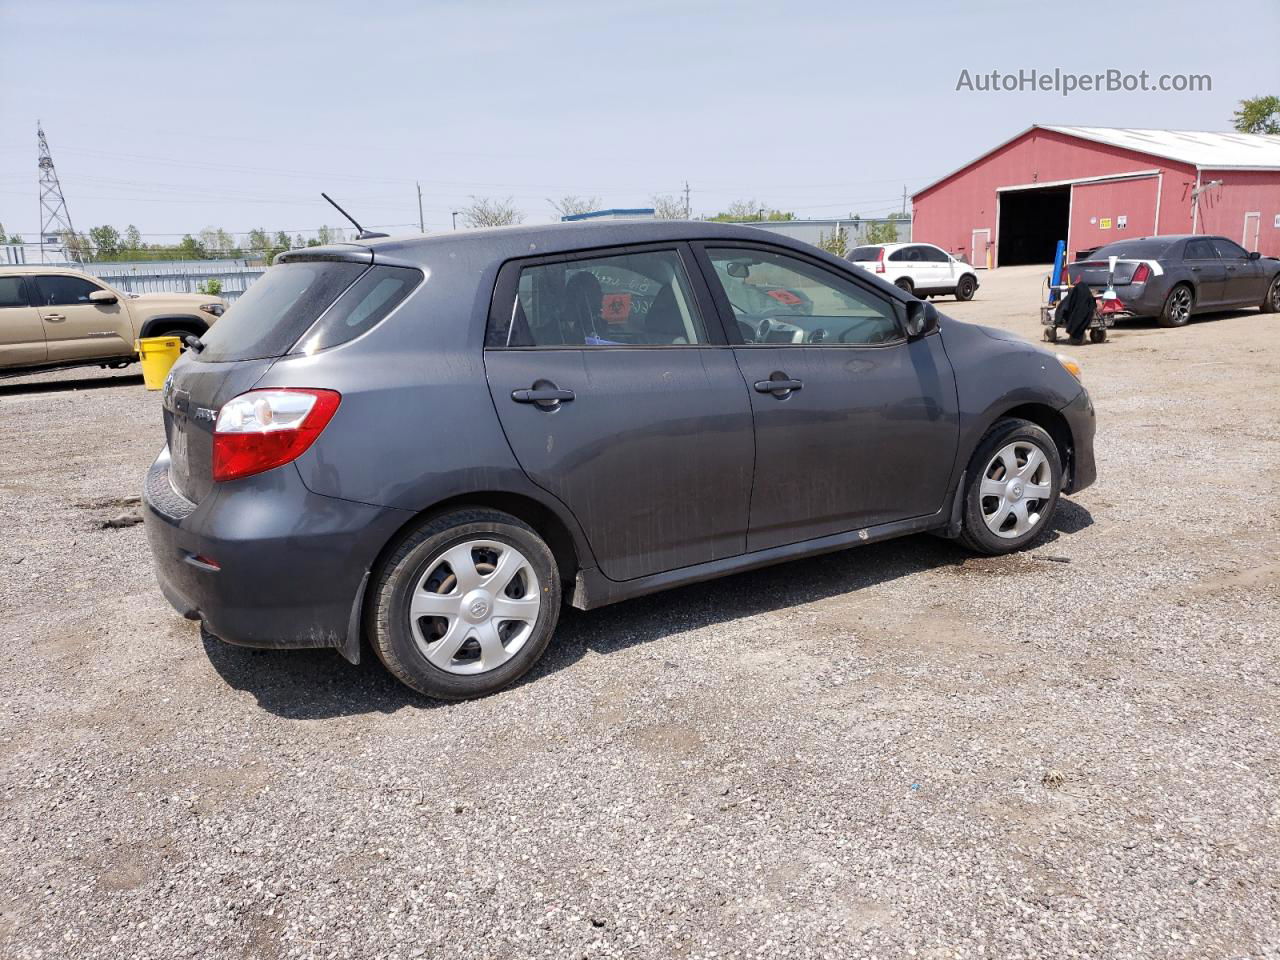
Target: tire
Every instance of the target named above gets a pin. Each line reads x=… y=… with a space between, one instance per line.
x=966 y=288
x=1271 y=302
x=906 y=286
x=466 y=631
x=1177 y=306
x=984 y=528
x=1097 y=334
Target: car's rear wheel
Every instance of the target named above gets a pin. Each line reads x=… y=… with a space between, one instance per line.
x=1177 y=306
x=1271 y=302
x=1012 y=487
x=966 y=288
x=465 y=605
x=906 y=286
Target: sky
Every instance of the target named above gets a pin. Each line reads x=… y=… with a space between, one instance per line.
x=178 y=116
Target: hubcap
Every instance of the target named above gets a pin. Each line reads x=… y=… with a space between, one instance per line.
x=1016 y=486
x=1181 y=304
x=475 y=607
x=1275 y=295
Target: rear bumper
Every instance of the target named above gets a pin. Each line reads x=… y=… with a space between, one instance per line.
x=1083 y=424
x=263 y=561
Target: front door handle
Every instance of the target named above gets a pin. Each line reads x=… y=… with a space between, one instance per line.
x=55 y=316
x=778 y=386
x=542 y=395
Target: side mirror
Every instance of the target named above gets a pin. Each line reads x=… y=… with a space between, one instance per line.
x=103 y=297
x=1254 y=255
x=922 y=318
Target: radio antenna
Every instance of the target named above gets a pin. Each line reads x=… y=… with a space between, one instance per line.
x=363 y=234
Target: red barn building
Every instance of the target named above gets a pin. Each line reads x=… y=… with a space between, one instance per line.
x=1094 y=185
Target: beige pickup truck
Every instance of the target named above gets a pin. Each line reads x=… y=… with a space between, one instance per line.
x=52 y=317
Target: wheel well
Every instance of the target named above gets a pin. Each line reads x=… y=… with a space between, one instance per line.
x=155 y=325
x=541 y=518
x=1054 y=424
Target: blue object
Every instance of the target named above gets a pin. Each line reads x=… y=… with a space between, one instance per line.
x=1059 y=258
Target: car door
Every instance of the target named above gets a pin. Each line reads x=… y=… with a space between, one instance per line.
x=1246 y=283
x=1207 y=271
x=855 y=424
x=938 y=262
x=21 y=332
x=75 y=327
x=620 y=397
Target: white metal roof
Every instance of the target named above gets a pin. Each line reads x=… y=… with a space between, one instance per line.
x=1200 y=148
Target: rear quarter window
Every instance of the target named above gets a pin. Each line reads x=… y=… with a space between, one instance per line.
x=363 y=306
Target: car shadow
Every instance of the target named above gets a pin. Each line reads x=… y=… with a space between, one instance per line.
x=59 y=386
x=1152 y=323
x=319 y=684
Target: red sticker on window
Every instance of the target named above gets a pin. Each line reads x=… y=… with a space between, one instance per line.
x=616 y=308
x=784 y=296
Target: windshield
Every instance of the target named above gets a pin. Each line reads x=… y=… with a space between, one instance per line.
x=278 y=309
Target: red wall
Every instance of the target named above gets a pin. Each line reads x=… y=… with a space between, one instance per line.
x=1096 y=209
x=948 y=212
x=1222 y=209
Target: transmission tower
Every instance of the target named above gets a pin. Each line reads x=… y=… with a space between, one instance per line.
x=55 y=221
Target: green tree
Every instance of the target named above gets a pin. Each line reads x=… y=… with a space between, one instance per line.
x=106 y=242
x=1258 y=115
x=189 y=248
x=211 y=287
x=132 y=243
x=836 y=242
x=258 y=243
x=748 y=211
x=881 y=231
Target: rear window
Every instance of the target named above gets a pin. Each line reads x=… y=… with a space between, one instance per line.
x=865 y=253
x=277 y=310
x=1132 y=250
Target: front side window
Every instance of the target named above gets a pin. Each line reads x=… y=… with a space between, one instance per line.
x=1228 y=250
x=634 y=299
x=57 y=291
x=1200 y=250
x=934 y=255
x=783 y=300
x=12 y=292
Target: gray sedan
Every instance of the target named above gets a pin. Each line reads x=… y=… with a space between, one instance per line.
x=1172 y=278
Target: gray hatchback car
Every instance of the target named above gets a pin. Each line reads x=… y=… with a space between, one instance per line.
x=424 y=443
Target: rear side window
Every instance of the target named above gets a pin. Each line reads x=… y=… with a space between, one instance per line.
x=362 y=307
x=277 y=310
x=865 y=254
x=635 y=299
x=12 y=292
x=1200 y=250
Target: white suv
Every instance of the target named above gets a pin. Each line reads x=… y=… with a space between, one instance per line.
x=918 y=268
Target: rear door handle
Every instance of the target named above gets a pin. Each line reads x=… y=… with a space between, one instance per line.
x=542 y=395
x=778 y=386
x=1195 y=269
x=55 y=316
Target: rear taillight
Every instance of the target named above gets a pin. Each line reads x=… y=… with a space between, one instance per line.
x=1142 y=274
x=264 y=429
x=880 y=261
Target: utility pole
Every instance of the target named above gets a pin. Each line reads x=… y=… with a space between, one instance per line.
x=688 y=213
x=1195 y=200
x=455 y=219
x=55 y=221
x=422 y=227
x=904 y=200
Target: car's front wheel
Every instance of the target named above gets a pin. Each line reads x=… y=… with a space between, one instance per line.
x=1012 y=487
x=465 y=605
x=906 y=286
x=966 y=288
x=1271 y=302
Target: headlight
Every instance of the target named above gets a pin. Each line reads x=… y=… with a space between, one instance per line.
x=1070 y=366
x=215 y=309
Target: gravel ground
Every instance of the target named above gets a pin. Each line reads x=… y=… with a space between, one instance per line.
x=898 y=751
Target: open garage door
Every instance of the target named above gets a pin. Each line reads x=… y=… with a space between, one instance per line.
x=1032 y=222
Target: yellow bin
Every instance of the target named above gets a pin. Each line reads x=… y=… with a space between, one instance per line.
x=158 y=355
